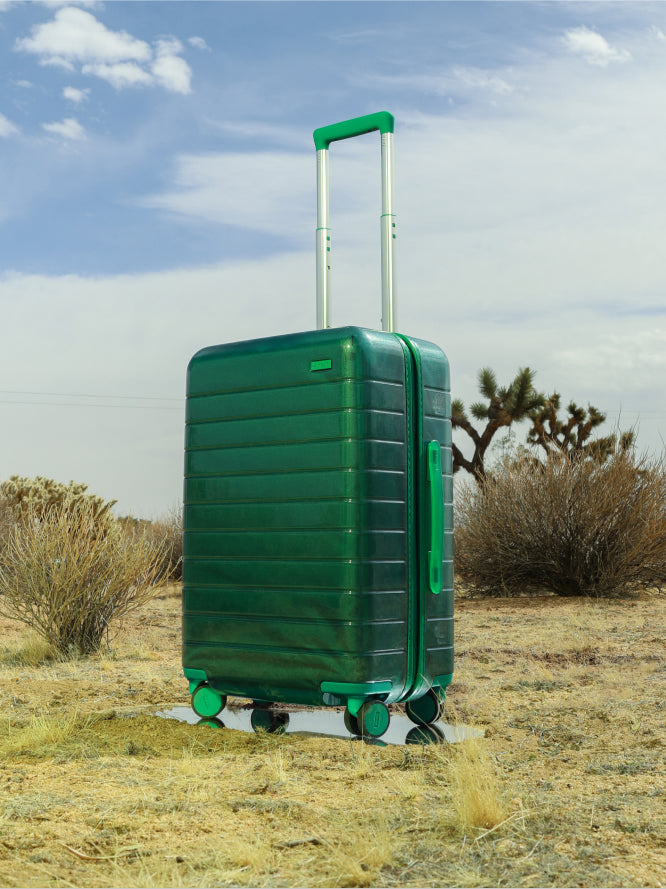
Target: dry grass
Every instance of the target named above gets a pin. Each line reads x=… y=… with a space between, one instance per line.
x=567 y=787
x=476 y=788
x=39 y=737
x=32 y=651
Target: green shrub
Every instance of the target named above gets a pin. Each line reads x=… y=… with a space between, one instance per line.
x=67 y=575
x=575 y=527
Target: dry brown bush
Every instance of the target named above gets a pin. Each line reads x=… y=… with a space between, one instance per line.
x=165 y=532
x=572 y=526
x=169 y=531
x=67 y=578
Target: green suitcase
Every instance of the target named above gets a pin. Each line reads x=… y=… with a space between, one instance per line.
x=318 y=515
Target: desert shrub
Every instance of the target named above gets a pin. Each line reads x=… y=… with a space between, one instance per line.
x=575 y=527
x=169 y=530
x=7 y=522
x=37 y=497
x=67 y=577
x=165 y=532
x=20 y=496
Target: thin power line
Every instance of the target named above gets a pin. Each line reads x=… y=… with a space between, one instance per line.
x=86 y=395
x=129 y=407
x=610 y=415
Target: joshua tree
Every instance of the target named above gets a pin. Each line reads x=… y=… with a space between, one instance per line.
x=502 y=407
x=570 y=436
x=520 y=401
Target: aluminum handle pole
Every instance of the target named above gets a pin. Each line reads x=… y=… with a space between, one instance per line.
x=323 y=241
x=388 y=236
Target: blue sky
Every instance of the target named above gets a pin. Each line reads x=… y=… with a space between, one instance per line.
x=157 y=195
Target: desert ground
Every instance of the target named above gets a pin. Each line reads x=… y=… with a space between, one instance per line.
x=566 y=788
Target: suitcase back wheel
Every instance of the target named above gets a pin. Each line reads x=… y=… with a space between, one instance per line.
x=426 y=709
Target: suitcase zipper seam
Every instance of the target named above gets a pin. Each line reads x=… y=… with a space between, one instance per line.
x=413 y=634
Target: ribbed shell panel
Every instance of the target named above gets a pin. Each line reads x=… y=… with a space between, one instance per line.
x=295 y=544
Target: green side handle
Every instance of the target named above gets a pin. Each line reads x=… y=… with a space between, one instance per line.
x=357 y=126
x=436 y=497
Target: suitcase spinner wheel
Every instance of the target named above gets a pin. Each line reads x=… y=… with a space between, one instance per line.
x=206 y=702
x=425 y=710
x=351 y=723
x=373 y=719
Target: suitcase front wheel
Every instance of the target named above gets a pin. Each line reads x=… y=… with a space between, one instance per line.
x=373 y=719
x=206 y=702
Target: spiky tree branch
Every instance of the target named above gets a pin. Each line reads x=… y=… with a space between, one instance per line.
x=502 y=407
x=570 y=436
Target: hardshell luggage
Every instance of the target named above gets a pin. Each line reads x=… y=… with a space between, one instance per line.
x=318 y=515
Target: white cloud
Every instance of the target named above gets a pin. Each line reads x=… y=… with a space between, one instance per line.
x=68 y=128
x=72 y=94
x=198 y=43
x=57 y=62
x=456 y=81
x=168 y=46
x=594 y=48
x=476 y=78
x=366 y=35
x=77 y=36
x=153 y=324
x=89 y=3
x=262 y=133
x=636 y=355
x=132 y=455
x=120 y=75
x=242 y=189
x=7 y=128
x=173 y=73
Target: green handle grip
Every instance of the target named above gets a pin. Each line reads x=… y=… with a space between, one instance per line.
x=357 y=126
x=436 y=495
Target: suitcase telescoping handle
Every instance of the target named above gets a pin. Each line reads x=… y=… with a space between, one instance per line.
x=323 y=136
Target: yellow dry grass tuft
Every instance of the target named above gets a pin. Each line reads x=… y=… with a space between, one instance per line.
x=360 y=856
x=39 y=736
x=32 y=652
x=475 y=787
